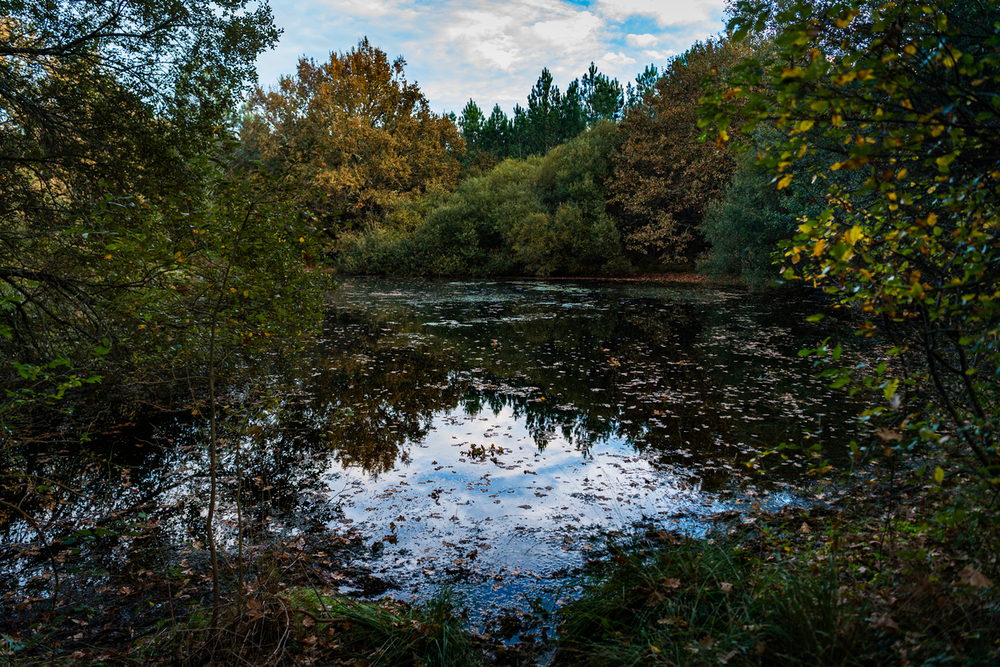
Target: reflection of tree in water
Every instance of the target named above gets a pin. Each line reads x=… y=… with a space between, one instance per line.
x=380 y=388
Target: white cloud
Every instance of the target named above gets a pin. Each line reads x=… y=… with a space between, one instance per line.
x=373 y=8
x=492 y=50
x=614 y=59
x=642 y=41
x=659 y=56
x=666 y=12
x=564 y=30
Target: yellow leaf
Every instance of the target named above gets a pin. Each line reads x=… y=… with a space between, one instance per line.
x=844 y=19
x=818 y=248
x=784 y=182
x=107 y=257
x=938 y=475
x=910 y=49
x=945 y=160
x=805 y=125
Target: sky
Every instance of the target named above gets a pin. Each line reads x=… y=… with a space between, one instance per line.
x=492 y=51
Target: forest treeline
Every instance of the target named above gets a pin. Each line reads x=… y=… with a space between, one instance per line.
x=599 y=179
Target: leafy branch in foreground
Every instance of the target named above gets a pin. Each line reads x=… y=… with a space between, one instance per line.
x=905 y=95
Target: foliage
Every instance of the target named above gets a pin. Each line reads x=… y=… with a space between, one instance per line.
x=355 y=132
x=744 y=227
x=578 y=236
x=664 y=177
x=791 y=588
x=539 y=216
x=466 y=235
x=905 y=94
x=689 y=602
x=551 y=118
x=603 y=96
x=91 y=114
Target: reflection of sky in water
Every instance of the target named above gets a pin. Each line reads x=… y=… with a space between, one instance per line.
x=586 y=408
x=477 y=506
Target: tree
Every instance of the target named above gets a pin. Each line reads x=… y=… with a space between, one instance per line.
x=645 y=83
x=572 y=114
x=743 y=227
x=906 y=94
x=471 y=123
x=664 y=176
x=495 y=133
x=355 y=132
x=101 y=101
x=481 y=142
x=544 y=104
x=603 y=96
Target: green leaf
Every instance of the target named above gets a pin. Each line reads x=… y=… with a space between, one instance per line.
x=938 y=475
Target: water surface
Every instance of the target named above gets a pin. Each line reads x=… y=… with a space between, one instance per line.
x=483 y=435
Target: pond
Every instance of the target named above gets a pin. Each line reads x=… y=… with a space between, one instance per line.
x=484 y=435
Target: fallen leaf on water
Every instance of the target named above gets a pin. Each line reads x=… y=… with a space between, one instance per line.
x=889 y=435
x=805 y=528
x=725 y=587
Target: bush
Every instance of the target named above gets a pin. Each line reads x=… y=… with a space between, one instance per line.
x=540 y=216
x=745 y=226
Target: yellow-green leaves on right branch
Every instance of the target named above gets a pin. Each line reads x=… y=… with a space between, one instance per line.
x=906 y=96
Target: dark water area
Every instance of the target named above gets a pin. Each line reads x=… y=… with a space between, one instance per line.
x=476 y=435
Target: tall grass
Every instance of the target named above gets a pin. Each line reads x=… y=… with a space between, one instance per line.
x=692 y=602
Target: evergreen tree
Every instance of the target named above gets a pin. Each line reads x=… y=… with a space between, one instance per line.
x=603 y=97
x=572 y=115
x=544 y=104
x=471 y=125
x=495 y=133
x=644 y=84
x=518 y=142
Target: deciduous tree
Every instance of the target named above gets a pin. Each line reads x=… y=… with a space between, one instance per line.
x=905 y=96
x=103 y=101
x=664 y=176
x=357 y=133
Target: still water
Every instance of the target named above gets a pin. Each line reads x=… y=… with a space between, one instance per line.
x=484 y=435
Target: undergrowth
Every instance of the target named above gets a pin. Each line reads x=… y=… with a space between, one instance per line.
x=847 y=588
